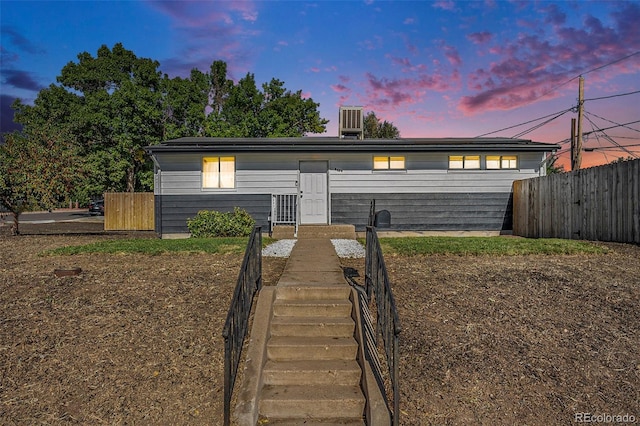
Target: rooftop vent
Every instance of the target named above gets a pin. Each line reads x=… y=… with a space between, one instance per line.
x=350 y=123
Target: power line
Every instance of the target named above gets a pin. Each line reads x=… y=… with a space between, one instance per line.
x=607 y=137
x=540 y=125
x=612 y=62
x=625 y=125
x=613 y=122
x=613 y=96
x=526 y=122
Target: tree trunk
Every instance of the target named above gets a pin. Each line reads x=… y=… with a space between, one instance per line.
x=131 y=179
x=15 y=228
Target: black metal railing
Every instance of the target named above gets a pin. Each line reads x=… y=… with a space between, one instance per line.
x=387 y=321
x=235 y=327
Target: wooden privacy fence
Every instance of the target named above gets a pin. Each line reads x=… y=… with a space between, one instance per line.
x=599 y=204
x=128 y=211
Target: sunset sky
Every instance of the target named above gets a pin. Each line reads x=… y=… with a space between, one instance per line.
x=433 y=68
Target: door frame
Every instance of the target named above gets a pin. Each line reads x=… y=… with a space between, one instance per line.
x=314 y=167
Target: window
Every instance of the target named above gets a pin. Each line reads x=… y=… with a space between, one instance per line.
x=388 y=163
x=218 y=172
x=495 y=162
x=464 y=162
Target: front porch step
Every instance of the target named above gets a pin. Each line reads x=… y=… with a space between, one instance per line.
x=287 y=348
x=327 y=231
x=319 y=402
x=315 y=231
x=312 y=326
x=313 y=292
x=316 y=373
x=317 y=422
x=312 y=308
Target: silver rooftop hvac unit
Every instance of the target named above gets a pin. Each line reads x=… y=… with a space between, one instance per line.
x=351 y=123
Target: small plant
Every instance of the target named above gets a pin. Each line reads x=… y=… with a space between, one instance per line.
x=212 y=223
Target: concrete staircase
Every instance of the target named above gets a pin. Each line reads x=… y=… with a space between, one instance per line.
x=304 y=364
x=311 y=372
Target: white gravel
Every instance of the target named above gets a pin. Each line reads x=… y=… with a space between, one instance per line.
x=281 y=248
x=348 y=248
x=344 y=248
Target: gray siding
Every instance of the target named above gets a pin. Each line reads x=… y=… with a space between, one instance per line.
x=176 y=209
x=273 y=173
x=489 y=211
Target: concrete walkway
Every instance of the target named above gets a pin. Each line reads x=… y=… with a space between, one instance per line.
x=304 y=362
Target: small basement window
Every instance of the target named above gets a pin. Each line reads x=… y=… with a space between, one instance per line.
x=495 y=162
x=218 y=172
x=464 y=162
x=388 y=163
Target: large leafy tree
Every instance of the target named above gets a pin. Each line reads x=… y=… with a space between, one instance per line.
x=115 y=103
x=376 y=129
x=111 y=103
x=274 y=111
x=38 y=170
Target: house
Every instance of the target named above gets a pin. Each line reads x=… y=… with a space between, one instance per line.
x=424 y=183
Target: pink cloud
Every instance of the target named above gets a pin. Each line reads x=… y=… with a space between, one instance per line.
x=314 y=69
x=200 y=25
x=444 y=5
x=480 y=38
x=452 y=55
x=406 y=64
x=533 y=66
x=384 y=92
x=409 y=21
x=340 y=88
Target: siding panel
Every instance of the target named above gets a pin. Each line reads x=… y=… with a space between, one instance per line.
x=428 y=211
x=176 y=209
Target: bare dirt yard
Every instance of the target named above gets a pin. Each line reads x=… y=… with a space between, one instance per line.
x=137 y=339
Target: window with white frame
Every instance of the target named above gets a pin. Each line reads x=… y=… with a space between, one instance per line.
x=218 y=172
x=464 y=162
x=388 y=163
x=496 y=162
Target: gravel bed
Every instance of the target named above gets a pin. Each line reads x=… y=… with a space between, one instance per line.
x=348 y=248
x=281 y=248
x=344 y=248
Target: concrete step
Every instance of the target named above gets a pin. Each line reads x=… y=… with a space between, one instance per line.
x=327 y=372
x=312 y=326
x=312 y=308
x=313 y=292
x=315 y=422
x=287 y=348
x=312 y=402
x=327 y=231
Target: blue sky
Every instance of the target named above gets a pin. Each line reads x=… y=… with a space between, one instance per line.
x=433 y=68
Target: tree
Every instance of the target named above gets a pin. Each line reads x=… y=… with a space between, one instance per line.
x=374 y=129
x=184 y=104
x=38 y=170
x=111 y=104
x=114 y=104
x=245 y=111
x=551 y=165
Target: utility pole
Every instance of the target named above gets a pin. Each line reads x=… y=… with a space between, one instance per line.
x=573 y=144
x=578 y=147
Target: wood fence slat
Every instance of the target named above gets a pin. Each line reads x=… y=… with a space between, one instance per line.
x=125 y=211
x=599 y=203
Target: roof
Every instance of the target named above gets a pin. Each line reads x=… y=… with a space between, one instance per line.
x=334 y=144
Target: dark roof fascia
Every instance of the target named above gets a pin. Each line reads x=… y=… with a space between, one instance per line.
x=319 y=144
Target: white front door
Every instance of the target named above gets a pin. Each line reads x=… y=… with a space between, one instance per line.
x=313 y=193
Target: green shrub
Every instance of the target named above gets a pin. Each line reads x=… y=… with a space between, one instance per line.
x=212 y=223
